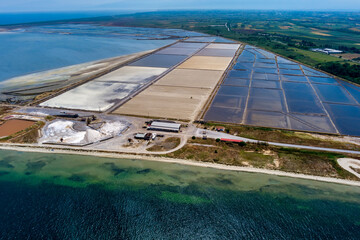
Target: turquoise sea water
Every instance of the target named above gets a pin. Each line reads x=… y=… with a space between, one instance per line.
x=39 y=48
x=51 y=196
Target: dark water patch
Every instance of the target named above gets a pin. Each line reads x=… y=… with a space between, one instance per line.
x=144 y=171
x=225 y=181
x=33 y=167
x=3 y=173
x=186 y=172
x=113 y=168
x=77 y=178
x=219 y=181
x=6 y=163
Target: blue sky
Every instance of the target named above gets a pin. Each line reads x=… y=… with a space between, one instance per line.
x=85 y=5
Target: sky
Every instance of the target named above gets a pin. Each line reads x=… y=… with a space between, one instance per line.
x=90 y=5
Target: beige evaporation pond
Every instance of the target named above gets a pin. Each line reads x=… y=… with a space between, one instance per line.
x=182 y=93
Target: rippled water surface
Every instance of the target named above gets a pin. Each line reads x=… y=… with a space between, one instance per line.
x=51 y=196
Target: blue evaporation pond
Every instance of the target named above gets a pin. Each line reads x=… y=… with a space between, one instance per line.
x=265 y=60
x=299 y=91
x=266 y=119
x=305 y=107
x=265 y=54
x=258 y=103
x=265 y=84
x=291 y=72
x=247 y=55
x=289 y=66
x=266 y=99
x=236 y=82
x=160 y=60
x=201 y=39
x=223 y=40
x=352 y=89
x=266 y=76
x=301 y=98
x=235 y=91
x=225 y=101
x=334 y=94
x=324 y=80
x=245 y=60
x=281 y=60
x=292 y=78
x=312 y=72
x=273 y=94
x=311 y=123
x=189 y=45
x=229 y=115
x=240 y=74
x=266 y=70
x=243 y=66
x=264 y=65
x=345 y=117
x=178 y=51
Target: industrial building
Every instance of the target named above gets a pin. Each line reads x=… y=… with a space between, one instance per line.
x=164 y=126
x=144 y=136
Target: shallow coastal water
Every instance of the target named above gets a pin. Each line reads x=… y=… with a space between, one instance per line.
x=48 y=196
x=39 y=48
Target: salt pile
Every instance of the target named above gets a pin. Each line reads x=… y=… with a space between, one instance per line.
x=63 y=130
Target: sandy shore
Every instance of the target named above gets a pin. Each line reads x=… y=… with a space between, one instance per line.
x=39 y=149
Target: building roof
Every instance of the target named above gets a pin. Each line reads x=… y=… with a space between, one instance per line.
x=165 y=125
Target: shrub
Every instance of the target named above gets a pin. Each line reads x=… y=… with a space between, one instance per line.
x=218 y=140
x=193 y=137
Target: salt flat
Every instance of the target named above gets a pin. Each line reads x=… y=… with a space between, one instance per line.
x=132 y=74
x=207 y=63
x=92 y=96
x=102 y=93
x=191 y=78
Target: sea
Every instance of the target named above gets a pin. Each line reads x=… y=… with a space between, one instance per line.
x=61 y=196
x=35 y=48
x=10 y=18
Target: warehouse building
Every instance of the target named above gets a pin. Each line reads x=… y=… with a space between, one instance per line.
x=164 y=126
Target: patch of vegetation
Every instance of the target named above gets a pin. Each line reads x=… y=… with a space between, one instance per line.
x=265 y=156
x=345 y=70
x=167 y=144
x=4 y=110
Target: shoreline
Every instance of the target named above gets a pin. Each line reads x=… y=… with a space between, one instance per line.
x=178 y=161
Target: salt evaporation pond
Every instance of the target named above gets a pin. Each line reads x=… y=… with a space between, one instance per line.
x=39 y=48
x=53 y=196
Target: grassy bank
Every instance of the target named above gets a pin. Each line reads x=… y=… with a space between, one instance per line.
x=264 y=156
